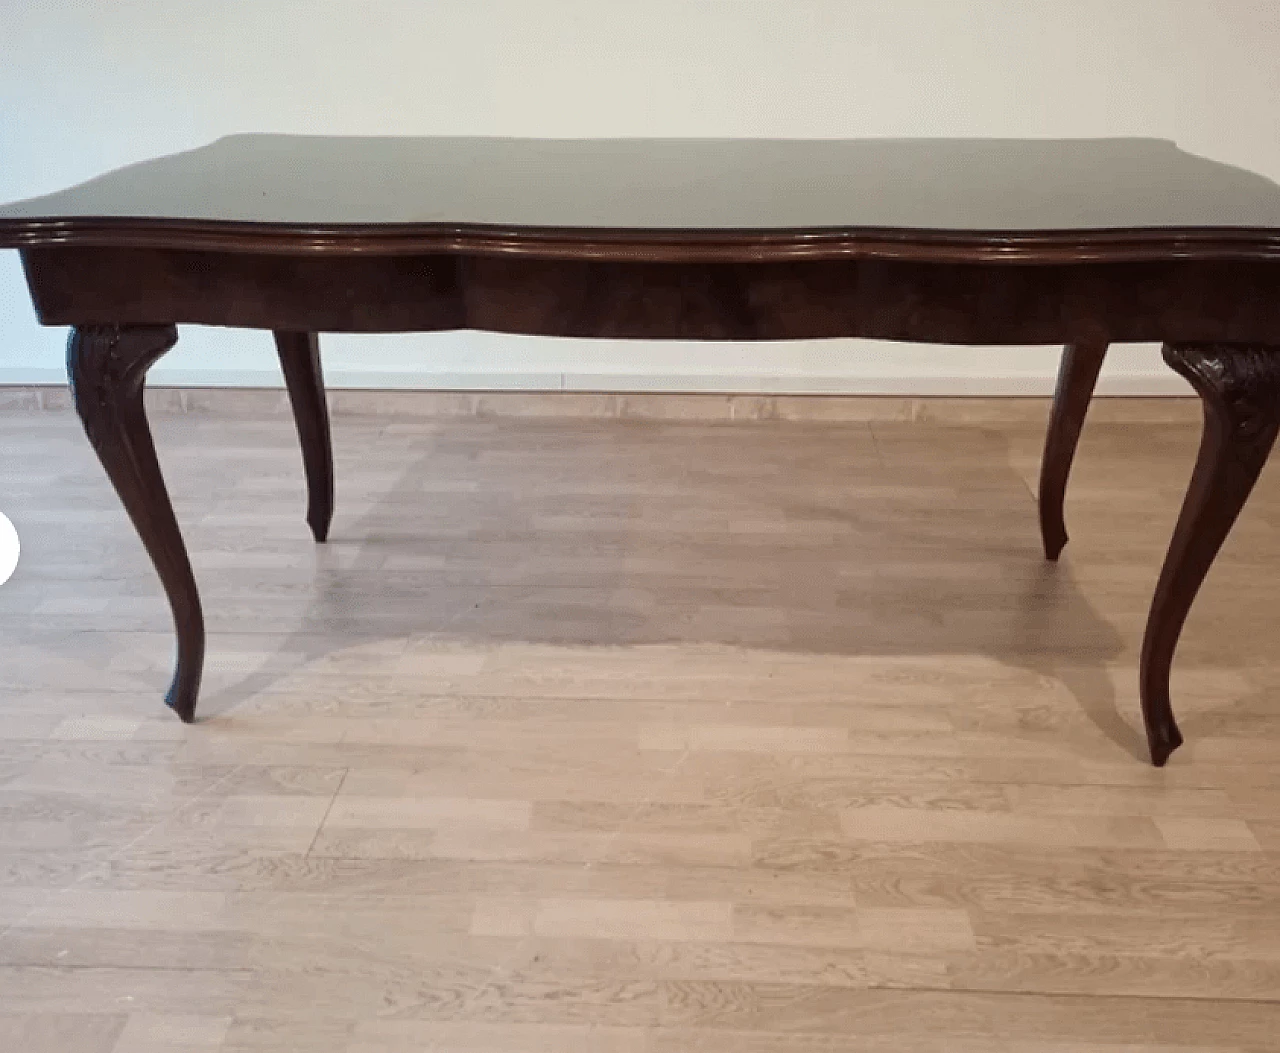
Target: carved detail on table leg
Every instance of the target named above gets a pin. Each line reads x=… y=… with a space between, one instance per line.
x=300 y=362
x=107 y=366
x=1239 y=386
x=1077 y=376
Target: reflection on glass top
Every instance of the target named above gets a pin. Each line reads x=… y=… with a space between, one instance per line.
x=717 y=184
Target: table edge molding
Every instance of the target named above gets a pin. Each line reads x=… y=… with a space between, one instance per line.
x=649 y=245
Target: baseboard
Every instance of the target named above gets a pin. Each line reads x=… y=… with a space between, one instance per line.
x=1136 y=384
x=270 y=401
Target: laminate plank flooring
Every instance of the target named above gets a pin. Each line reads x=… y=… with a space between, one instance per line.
x=633 y=736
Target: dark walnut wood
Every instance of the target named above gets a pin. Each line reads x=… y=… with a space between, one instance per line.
x=1077 y=376
x=1240 y=388
x=1083 y=243
x=300 y=362
x=107 y=366
x=937 y=302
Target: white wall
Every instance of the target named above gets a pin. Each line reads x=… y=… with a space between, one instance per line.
x=96 y=84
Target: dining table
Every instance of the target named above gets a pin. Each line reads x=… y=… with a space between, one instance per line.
x=1081 y=243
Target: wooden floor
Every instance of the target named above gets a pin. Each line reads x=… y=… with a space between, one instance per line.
x=622 y=736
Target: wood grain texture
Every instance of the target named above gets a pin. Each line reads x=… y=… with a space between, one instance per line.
x=562 y=793
x=1074 y=300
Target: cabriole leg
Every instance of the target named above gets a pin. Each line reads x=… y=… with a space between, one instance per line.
x=1239 y=386
x=107 y=366
x=1077 y=376
x=300 y=362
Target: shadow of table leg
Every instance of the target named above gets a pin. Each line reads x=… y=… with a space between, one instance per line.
x=107 y=366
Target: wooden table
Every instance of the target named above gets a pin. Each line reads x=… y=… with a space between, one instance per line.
x=1079 y=242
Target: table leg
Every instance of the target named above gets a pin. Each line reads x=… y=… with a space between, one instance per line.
x=300 y=362
x=107 y=366
x=1239 y=387
x=1077 y=376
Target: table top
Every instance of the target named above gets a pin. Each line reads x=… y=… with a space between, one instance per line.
x=1014 y=186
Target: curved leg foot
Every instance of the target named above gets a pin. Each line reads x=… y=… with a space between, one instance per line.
x=1239 y=387
x=300 y=362
x=1076 y=379
x=107 y=366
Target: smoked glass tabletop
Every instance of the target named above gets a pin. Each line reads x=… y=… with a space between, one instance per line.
x=1015 y=185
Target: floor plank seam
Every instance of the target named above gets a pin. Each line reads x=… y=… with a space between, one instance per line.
x=316 y=836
